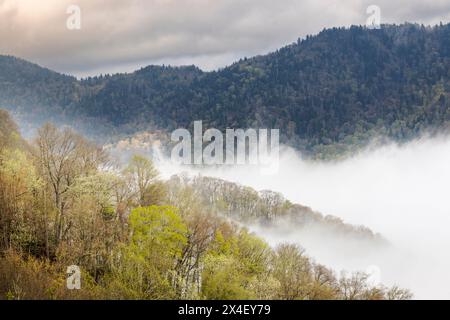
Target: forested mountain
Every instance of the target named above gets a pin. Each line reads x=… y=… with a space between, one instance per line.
x=327 y=93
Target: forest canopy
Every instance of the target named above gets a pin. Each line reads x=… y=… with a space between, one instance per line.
x=64 y=202
x=330 y=94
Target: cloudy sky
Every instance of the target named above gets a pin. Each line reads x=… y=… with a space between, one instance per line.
x=123 y=35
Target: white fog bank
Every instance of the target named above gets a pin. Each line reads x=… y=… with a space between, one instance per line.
x=401 y=192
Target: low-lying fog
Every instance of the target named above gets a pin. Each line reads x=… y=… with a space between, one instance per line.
x=401 y=192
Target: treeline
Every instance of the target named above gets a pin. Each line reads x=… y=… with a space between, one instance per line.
x=329 y=94
x=266 y=208
x=64 y=202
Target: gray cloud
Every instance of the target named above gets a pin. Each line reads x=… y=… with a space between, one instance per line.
x=122 y=35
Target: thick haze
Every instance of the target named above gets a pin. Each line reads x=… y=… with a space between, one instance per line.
x=401 y=192
x=123 y=35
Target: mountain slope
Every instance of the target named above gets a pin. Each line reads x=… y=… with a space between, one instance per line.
x=327 y=93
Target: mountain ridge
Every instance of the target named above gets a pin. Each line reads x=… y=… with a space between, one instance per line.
x=328 y=93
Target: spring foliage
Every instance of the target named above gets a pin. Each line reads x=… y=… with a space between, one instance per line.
x=134 y=236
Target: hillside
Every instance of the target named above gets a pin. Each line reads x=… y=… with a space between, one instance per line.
x=327 y=93
x=134 y=236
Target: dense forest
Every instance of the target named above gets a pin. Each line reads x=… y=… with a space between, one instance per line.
x=329 y=93
x=64 y=201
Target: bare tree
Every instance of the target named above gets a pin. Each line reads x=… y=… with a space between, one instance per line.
x=293 y=270
x=142 y=174
x=63 y=156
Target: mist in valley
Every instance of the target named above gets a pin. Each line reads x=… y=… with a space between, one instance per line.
x=400 y=191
